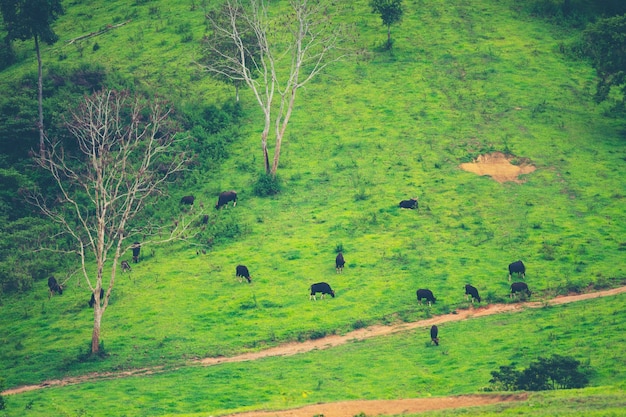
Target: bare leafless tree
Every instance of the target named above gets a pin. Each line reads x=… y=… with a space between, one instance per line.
x=125 y=153
x=273 y=55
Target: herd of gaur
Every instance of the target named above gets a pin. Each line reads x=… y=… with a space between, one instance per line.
x=241 y=271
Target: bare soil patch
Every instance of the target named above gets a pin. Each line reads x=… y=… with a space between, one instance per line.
x=499 y=167
x=352 y=408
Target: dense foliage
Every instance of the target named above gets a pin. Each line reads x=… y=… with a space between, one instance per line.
x=606 y=45
x=30 y=248
x=555 y=372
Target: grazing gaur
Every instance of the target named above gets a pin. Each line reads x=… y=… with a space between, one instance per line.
x=226 y=197
x=322 y=287
x=426 y=294
x=434 y=333
x=136 y=249
x=188 y=200
x=472 y=292
x=339 y=262
x=242 y=272
x=54 y=287
x=518 y=268
x=409 y=204
x=126 y=266
x=520 y=287
x=92 y=301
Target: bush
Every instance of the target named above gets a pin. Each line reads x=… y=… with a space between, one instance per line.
x=2 y=403
x=266 y=185
x=556 y=372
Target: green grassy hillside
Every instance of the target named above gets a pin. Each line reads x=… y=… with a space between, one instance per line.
x=464 y=78
x=398 y=366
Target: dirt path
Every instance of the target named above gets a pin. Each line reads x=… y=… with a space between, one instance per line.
x=295 y=348
x=351 y=408
x=386 y=407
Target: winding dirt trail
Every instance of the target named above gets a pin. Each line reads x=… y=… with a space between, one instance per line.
x=351 y=408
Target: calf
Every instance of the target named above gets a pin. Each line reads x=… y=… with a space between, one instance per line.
x=339 y=262
x=187 y=200
x=426 y=294
x=126 y=266
x=434 y=333
x=226 y=197
x=242 y=272
x=92 y=301
x=136 y=248
x=472 y=293
x=322 y=287
x=518 y=268
x=520 y=287
x=54 y=287
x=409 y=204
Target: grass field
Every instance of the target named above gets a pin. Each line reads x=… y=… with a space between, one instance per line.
x=404 y=365
x=463 y=79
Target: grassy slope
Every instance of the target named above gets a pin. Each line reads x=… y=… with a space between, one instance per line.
x=463 y=79
x=398 y=366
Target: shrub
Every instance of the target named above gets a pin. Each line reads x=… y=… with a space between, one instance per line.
x=556 y=372
x=266 y=185
x=2 y=403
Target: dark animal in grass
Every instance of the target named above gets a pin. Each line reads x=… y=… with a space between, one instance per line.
x=434 y=335
x=126 y=266
x=472 y=293
x=323 y=288
x=136 y=249
x=54 y=287
x=187 y=200
x=518 y=268
x=425 y=294
x=225 y=198
x=520 y=287
x=409 y=204
x=242 y=272
x=339 y=262
x=92 y=301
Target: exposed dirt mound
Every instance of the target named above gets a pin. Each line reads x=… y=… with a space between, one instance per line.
x=499 y=167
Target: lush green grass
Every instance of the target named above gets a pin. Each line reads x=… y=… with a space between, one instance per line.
x=399 y=366
x=463 y=79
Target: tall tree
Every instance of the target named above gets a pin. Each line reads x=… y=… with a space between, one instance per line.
x=605 y=43
x=223 y=45
x=32 y=19
x=248 y=45
x=390 y=12
x=125 y=154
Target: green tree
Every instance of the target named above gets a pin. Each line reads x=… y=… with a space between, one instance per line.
x=555 y=372
x=505 y=379
x=605 y=44
x=32 y=19
x=390 y=12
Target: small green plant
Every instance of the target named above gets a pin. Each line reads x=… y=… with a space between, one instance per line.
x=266 y=185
